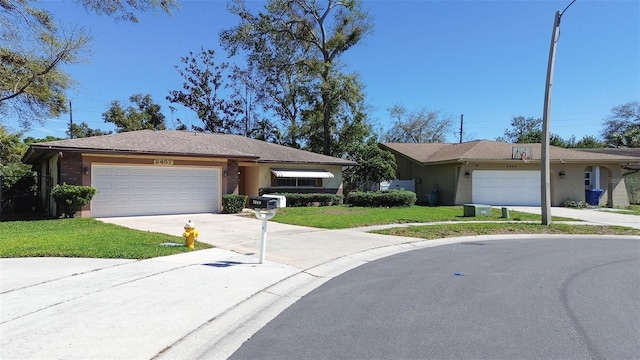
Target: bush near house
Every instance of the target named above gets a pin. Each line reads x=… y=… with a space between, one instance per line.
x=385 y=198
x=576 y=204
x=232 y=203
x=312 y=199
x=72 y=198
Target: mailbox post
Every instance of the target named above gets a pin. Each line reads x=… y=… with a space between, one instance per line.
x=264 y=208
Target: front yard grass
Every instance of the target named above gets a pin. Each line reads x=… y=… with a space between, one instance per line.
x=344 y=217
x=470 y=229
x=633 y=210
x=84 y=237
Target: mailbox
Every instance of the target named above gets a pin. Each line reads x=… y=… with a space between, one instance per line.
x=262 y=203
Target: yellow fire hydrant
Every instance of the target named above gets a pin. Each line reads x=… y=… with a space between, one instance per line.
x=190 y=235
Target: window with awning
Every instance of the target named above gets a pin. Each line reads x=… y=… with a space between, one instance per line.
x=299 y=177
x=303 y=173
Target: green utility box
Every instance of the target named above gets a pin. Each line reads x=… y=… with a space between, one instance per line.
x=472 y=210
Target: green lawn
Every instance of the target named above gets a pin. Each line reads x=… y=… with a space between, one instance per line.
x=83 y=237
x=343 y=217
x=634 y=209
x=454 y=230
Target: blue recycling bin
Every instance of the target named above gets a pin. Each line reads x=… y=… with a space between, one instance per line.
x=432 y=199
x=593 y=196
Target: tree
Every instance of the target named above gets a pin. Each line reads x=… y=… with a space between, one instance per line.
x=275 y=71
x=142 y=114
x=622 y=127
x=523 y=130
x=265 y=131
x=348 y=127
x=313 y=37
x=11 y=147
x=423 y=126
x=202 y=93
x=374 y=165
x=83 y=130
x=589 y=142
x=529 y=131
x=34 y=49
x=11 y=168
x=128 y=9
x=31 y=140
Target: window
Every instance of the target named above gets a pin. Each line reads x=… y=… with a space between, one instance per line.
x=298 y=177
x=587 y=178
x=297 y=182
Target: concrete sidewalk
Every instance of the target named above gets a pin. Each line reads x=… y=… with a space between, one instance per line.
x=202 y=304
x=599 y=216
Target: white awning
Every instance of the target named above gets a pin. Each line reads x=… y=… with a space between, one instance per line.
x=302 y=173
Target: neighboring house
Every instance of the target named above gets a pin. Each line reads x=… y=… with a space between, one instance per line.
x=630 y=171
x=498 y=173
x=171 y=172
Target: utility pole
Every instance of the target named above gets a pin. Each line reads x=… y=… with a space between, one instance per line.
x=70 y=120
x=545 y=167
x=461 y=123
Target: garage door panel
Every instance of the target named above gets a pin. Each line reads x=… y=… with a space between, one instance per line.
x=500 y=187
x=138 y=184
x=125 y=190
x=122 y=172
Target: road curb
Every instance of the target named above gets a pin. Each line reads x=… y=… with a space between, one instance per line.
x=223 y=335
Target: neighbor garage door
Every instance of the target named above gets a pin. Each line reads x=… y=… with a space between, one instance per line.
x=147 y=190
x=516 y=187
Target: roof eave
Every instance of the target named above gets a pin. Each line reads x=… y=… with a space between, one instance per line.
x=342 y=163
x=51 y=149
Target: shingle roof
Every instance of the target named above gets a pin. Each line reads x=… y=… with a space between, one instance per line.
x=172 y=142
x=490 y=151
x=634 y=152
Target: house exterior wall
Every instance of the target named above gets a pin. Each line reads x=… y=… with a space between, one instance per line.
x=74 y=170
x=632 y=183
x=611 y=181
x=617 y=195
x=232 y=178
x=454 y=187
x=409 y=170
x=50 y=170
x=252 y=180
x=569 y=188
x=71 y=168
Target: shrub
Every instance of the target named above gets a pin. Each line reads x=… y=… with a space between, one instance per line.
x=72 y=198
x=232 y=203
x=576 y=204
x=313 y=199
x=386 y=198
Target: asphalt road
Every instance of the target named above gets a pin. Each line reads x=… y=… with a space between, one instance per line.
x=571 y=298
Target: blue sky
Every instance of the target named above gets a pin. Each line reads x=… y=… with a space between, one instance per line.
x=484 y=59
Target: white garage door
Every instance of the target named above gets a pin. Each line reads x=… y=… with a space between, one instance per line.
x=516 y=187
x=147 y=190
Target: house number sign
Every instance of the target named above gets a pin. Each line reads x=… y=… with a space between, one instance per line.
x=162 y=162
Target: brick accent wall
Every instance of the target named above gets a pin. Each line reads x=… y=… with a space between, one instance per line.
x=232 y=177
x=71 y=168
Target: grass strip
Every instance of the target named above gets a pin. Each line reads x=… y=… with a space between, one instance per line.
x=470 y=229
